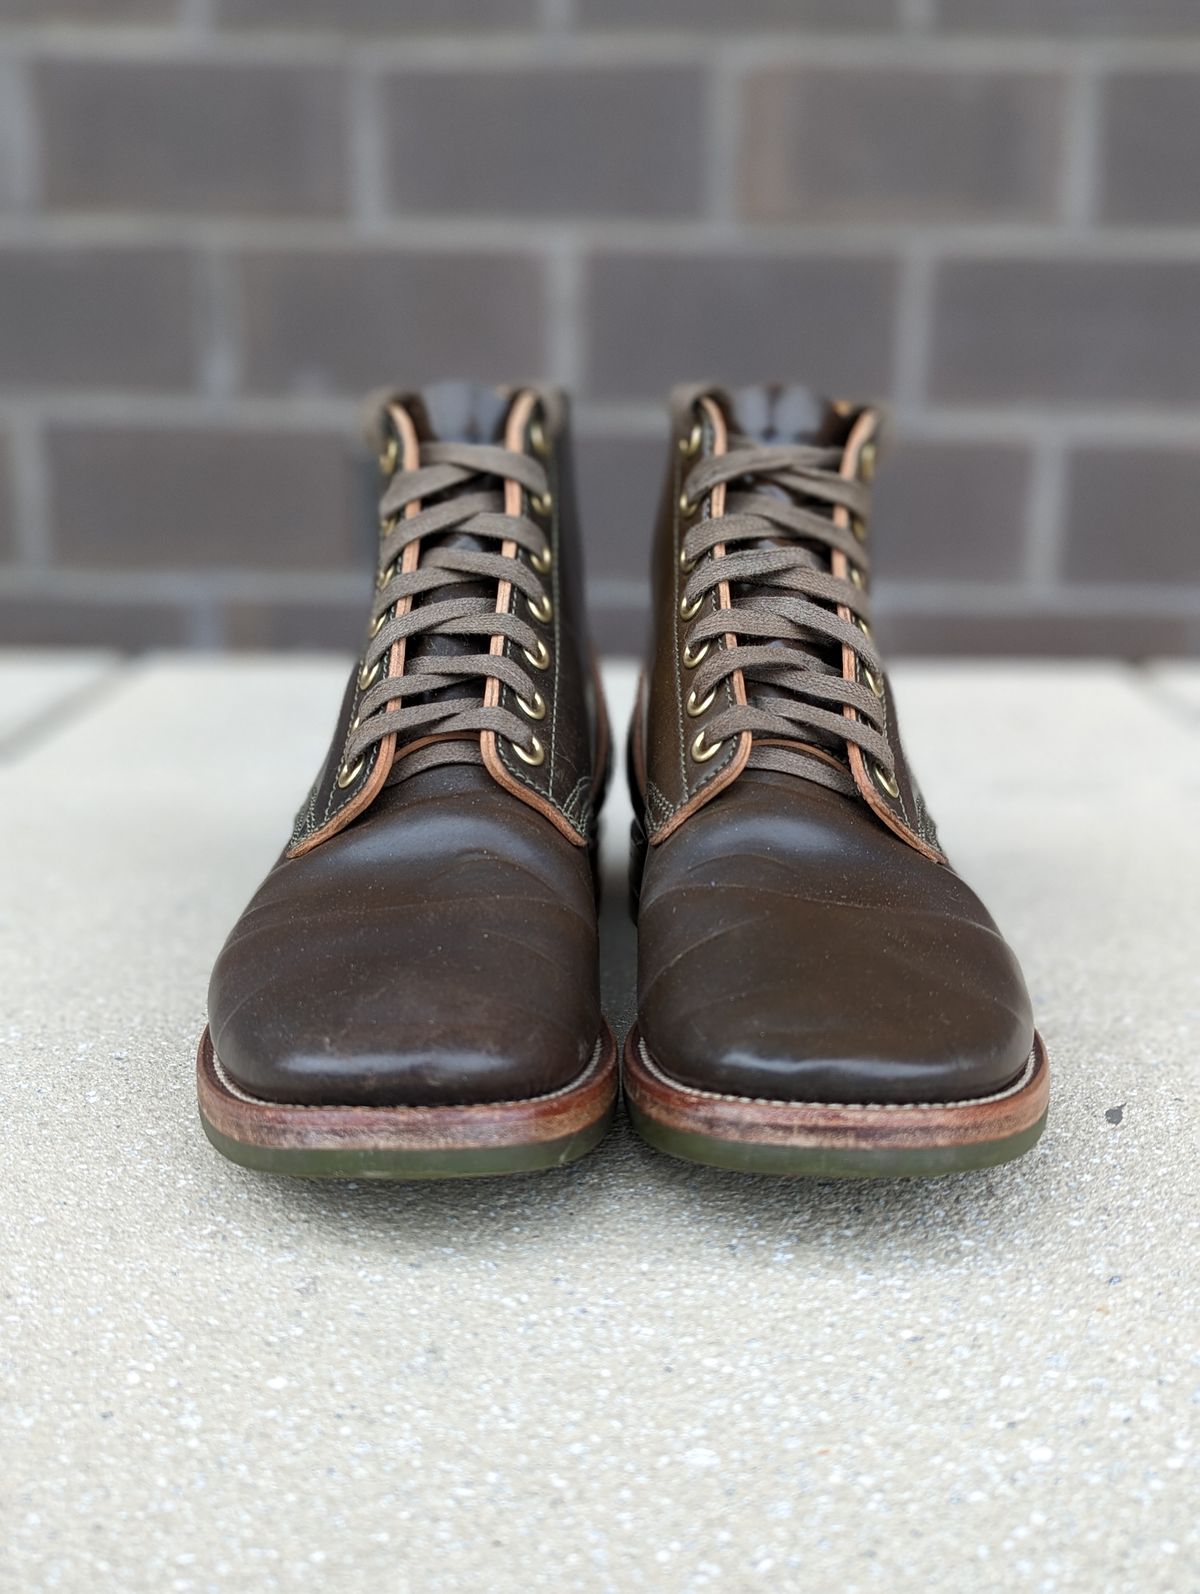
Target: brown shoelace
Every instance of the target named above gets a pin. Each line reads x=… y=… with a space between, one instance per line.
x=779 y=538
x=447 y=604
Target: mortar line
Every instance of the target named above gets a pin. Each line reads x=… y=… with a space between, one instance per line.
x=20 y=170
x=1079 y=178
x=428 y=232
x=1161 y=429
x=565 y=353
x=515 y=48
x=183 y=586
x=216 y=325
x=723 y=91
x=367 y=176
x=1045 y=531
x=30 y=474
x=914 y=329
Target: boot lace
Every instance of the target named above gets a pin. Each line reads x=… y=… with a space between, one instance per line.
x=785 y=634
x=441 y=568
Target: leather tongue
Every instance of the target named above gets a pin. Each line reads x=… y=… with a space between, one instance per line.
x=786 y=413
x=462 y=412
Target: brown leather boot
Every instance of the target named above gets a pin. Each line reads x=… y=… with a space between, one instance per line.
x=818 y=991
x=413 y=991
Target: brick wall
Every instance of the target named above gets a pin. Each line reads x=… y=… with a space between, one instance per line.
x=222 y=220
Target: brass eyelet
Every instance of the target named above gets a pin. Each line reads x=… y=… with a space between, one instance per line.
x=689 y=611
x=348 y=773
x=856 y=577
x=693 y=656
x=540 y=657
x=702 y=751
x=875 y=682
x=367 y=675
x=537 y=437
x=686 y=507
x=866 y=462
x=390 y=457
x=884 y=781
x=541 y=562
x=541 y=503
x=542 y=609
x=694 y=708
x=535 y=757
x=863 y=627
x=859 y=527
x=377 y=624
x=689 y=446
x=535 y=710
x=685 y=563
x=385 y=575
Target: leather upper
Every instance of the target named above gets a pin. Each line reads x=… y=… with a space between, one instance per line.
x=441 y=949
x=796 y=943
x=563 y=784
x=673 y=782
x=431 y=940
x=792 y=947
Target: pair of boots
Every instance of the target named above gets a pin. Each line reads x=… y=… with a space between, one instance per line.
x=413 y=991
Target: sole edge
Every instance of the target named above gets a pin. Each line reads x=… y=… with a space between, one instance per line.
x=835 y=1140
x=407 y=1143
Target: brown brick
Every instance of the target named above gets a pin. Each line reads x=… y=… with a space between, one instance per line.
x=1034 y=632
x=896 y=145
x=84 y=317
x=838 y=15
x=332 y=321
x=164 y=499
x=140 y=135
x=380 y=16
x=89 y=10
x=545 y=142
x=1132 y=516
x=1087 y=17
x=288 y=623
x=1148 y=151
x=659 y=319
x=1084 y=331
x=951 y=512
x=619 y=480
x=53 y=621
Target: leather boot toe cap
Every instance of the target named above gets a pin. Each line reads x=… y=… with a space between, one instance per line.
x=791 y=949
x=441 y=954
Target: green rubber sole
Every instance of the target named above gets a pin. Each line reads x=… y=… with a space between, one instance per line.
x=471 y=1141
x=471 y=1162
x=826 y=1162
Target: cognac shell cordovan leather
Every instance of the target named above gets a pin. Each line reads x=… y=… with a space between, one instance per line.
x=798 y=941
x=431 y=940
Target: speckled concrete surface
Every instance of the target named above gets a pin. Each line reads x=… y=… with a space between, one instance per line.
x=35 y=683
x=632 y=1374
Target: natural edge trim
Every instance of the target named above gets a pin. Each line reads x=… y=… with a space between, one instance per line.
x=837 y=1125
x=251 y=1121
